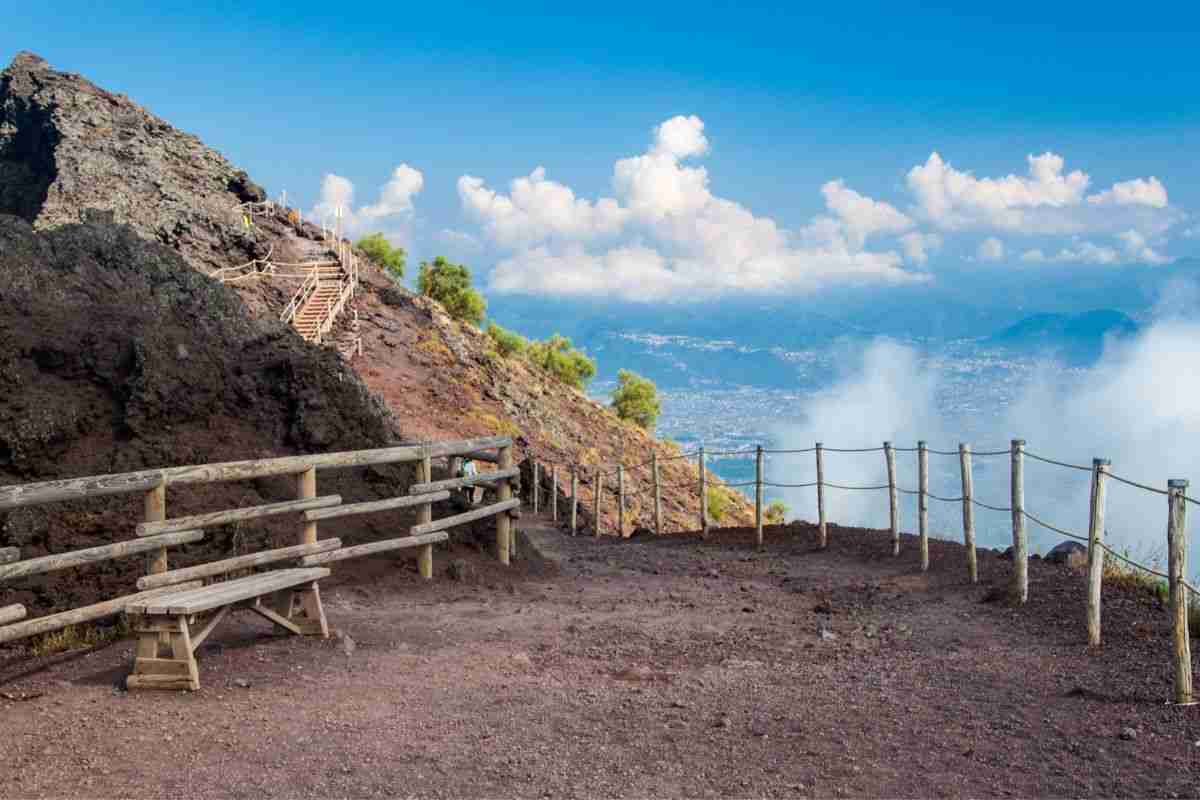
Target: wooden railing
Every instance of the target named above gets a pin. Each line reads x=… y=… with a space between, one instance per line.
x=306 y=290
x=156 y=532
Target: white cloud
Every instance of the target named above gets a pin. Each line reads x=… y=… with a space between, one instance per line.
x=397 y=194
x=460 y=241
x=1082 y=253
x=917 y=246
x=1149 y=192
x=1139 y=250
x=680 y=240
x=990 y=249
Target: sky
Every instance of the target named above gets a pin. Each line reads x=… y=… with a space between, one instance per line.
x=675 y=153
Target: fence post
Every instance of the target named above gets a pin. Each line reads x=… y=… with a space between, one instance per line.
x=155 y=507
x=621 y=501
x=599 y=494
x=425 y=514
x=968 y=491
x=657 y=497
x=536 y=487
x=923 y=502
x=1095 y=550
x=554 y=493
x=1177 y=569
x=574 y=500
x=893 y=498
x=503 y=521
x=758 y=497
x=823 y=531
x=1020 y=578
x=306 y=488
x=703 y=497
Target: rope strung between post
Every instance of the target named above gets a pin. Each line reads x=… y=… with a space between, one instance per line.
x=789 y=485
x=852 y=449
x=944 y=499
x=906 y=449
x=998 y=453
x=1135 y=484
x=992 y=508
x=1058 y=463
x=941 y=452
x=902 y=490
x=1050 y=527
x=730 y=452
x=859 y=488
x=804 y=450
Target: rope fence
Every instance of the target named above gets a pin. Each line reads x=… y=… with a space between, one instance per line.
x=621 y=484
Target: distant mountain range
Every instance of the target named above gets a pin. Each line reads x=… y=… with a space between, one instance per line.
x=1077 y=339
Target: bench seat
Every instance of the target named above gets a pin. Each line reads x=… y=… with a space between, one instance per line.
x=196 y=601
x=179 y=621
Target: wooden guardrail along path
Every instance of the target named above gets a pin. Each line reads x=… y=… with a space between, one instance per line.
x=175 y=610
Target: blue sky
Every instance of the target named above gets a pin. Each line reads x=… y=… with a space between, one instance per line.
x=775 y=103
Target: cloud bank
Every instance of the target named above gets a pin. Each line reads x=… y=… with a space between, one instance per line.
x=390 y=214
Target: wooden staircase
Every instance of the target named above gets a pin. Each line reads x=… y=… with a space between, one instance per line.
x=328 y=288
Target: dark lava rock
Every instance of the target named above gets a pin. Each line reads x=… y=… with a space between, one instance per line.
x=1070 y=553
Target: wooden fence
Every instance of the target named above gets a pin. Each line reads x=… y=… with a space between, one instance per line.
x=1097 y=549
x=156 y=532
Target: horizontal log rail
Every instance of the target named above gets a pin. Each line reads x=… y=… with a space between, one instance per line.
x=236 y=563
x=30 y=494
x=470 y=516
x=468 y=480
x=382 y=546
x=214 y=518
x=65 y=619
x=374 y=506
x=13 y=613
x=75 y=558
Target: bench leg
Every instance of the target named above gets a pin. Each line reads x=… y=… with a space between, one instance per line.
x=150 y=669
x=307 y=613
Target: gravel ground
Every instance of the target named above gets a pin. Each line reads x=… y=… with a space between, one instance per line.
x=638 y=668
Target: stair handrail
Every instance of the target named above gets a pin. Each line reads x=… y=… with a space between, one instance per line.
x=306 y=290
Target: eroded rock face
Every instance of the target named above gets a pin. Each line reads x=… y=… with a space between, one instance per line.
x=67 y=146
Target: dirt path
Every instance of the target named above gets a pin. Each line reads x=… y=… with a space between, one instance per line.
x=642 y=668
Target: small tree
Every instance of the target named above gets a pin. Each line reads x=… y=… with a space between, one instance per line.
x=636 y=399
x=508 y=343
x=776 y=513
x=450 y=285
x=381 y=251
x=559 y=357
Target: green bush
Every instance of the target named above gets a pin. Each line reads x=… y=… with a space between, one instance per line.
x=509 y=343
x=776 y=513
x=636 y=399
x=559 y=357
x=380 y=250
x=718 y=503
x=450 y=285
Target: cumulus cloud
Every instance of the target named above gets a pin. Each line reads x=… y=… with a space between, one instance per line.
x=990 y=249
x=390 y=213
x=1138 y=250
x=1081 y=253
x=917 y=246
x=680 y=240
x=1137 y=192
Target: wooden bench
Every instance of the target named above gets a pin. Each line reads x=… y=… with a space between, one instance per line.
x=180 y=621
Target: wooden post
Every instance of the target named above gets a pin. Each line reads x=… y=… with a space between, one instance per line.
x=599 y=495
x=1095 y=551
x=968 y=511
x=155 y=507
x=824 y=533
x=893 y=497
x=574 y=500
x=554 y=493
x=657 y=496
x=306 y=488
x=1019 y=592
x=758 y=497
x=1177 y=569
x=703 y=496
x=504 y=521
x=424 y=515
x=621 y=501
x=536 y=487
x=923 y=502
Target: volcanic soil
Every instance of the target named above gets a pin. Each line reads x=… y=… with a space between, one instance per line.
x=647 y=667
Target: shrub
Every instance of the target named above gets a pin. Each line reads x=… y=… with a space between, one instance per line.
x=380 y=250
x=776 y=513
x=508 y=343
x=450 y=285
x=718 y=503
x=636 y=399
x=559 y=357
